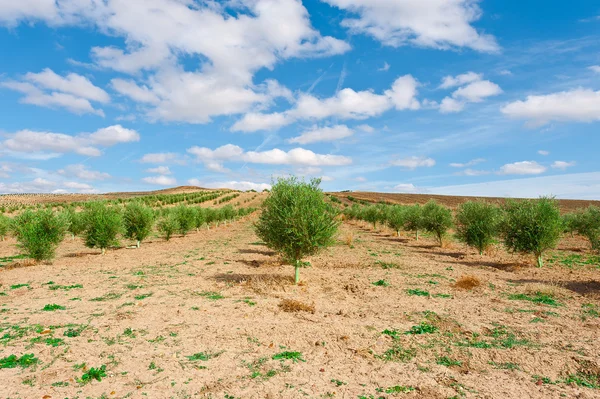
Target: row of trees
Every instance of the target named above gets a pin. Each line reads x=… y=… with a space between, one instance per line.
x=527 y=226
x=39 y=232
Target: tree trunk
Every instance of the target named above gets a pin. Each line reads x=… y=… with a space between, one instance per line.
x=103 y=251
x=72 y=237
x=417 y=232
x=397 y=233
x=540 y=260
x=297 y=275
x=137 y=244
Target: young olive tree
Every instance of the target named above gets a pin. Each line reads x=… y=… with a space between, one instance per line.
x=587 y=223
x=186 y=217
x=103 y=225
x=413 y=219
x=296 y=221
x=137 y=221
x=531 y=226
x=477 y=224
x=437 y=219
x=39 y=232
x=168 y=225
x=5 y=223
x=199 y=217
x=395 y=218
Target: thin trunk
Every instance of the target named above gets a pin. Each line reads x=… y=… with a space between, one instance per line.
x=480 y=252
x=72 y=237
x=540 y=260
x=397 y=233
x=417 y=231
x=103 y=251
x=297 y=276
x=137 y=244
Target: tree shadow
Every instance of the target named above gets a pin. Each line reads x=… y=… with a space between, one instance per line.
x=83 y=253
x=504 y=266
x=257 y=251
x=585 y=288
x=267 y=279
x=397 y=239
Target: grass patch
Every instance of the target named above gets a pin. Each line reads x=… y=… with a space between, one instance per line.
x=212 y=295
x=536 y=297
x=93 y=374
x=381 y=283
x=417 y=292
x=397 y=354
x=12 y=361
x=55 y=287
x=142 y=296
x=203 y=356
x=293 y=356
x=446 y=361
x=423 y=328
x=387 y=265
x=52 y=307
x=17 y=286
x=107 y=297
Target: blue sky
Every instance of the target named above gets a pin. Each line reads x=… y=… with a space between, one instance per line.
x=461 y=97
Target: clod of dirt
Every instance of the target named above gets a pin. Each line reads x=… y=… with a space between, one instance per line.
x=291 y=306
x=467 y=282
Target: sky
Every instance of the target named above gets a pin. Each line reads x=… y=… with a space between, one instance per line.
x=456 y=97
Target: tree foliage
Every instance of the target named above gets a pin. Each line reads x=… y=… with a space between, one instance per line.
x=532 y=226
x=186 y=218
x=296 y=221
x=395 y=218
x=103 y=225
x=477 y=224
x=587 y=223
x=39 y=232
x=137 y=221
x=5 y=224
x=413 y=219
x=437 y=219
x=168 y=225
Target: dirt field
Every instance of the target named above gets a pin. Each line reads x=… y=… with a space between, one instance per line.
x=211 y=315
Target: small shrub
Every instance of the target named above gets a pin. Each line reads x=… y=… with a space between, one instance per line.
x=477 y=224
x=137 y=221
x=395 y=218
x=290 y=306
x=186 y=218
x=103 y=225
x=39 y=233
x=167 y=226
x=12 y=361
x=532 y=226
x=93 y=374
x=5 y=224
x=437 y=219
x=296 y=221
x=293 y=356
x=467 y=282
x=587 y=223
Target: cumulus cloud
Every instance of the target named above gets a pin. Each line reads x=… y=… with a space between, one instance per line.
x=345 y=104
x=562 y=165
x=27 y=141
x=439 y=24
x=543 y=152
x=297 y=157
x=233 y=40
x=594 y=68
x=160 y=180
x=160 y=157
x=414 y=162
x=408 y=188
x=522 y=168
x=81 y=171
x=319 y=134
x=41 y=185
x=578 y=105
x=474 y=172
x=472 y=90
x=48 y=89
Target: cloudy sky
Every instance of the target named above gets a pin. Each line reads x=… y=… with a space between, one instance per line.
x=465 y=97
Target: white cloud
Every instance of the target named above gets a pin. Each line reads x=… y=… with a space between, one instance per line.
x=297 y=156
x=365 y=128
x=48 y=89
x=522 y=168
x=384 y=68
x=472 y=162
x=406 y=188
x=160 y=180
x=562 y=165
x=81 y=171
x=543 y=152
x=505 y=72
x=27 y=141
x=473 y=90
x=232 y=41
x=578 y=105
x=160 y=170
x=252 y=122
x=345 y=104
x=319 y=134
x=460 y=80
x=595 y=68
x=414 y=162
x=474 y=172
x=160 y=157
x=440 y=24
x=41 y=185
x=234 y=185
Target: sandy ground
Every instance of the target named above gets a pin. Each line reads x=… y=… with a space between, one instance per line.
x=217 y=293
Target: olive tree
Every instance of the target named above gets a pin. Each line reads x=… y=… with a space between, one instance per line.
x=477 y=224
x=531 y=226
x=103 y=225
x=395 y=218
x=587 y=223
x=199 y=217
x=437 y=219
x=413 y=219
x=168 y=225
x=137 y=221
x=39 y=232
x=4 y=226
x=186 y=218
x=296 y=221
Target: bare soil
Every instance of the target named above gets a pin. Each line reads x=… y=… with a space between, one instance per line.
x=216 y=315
